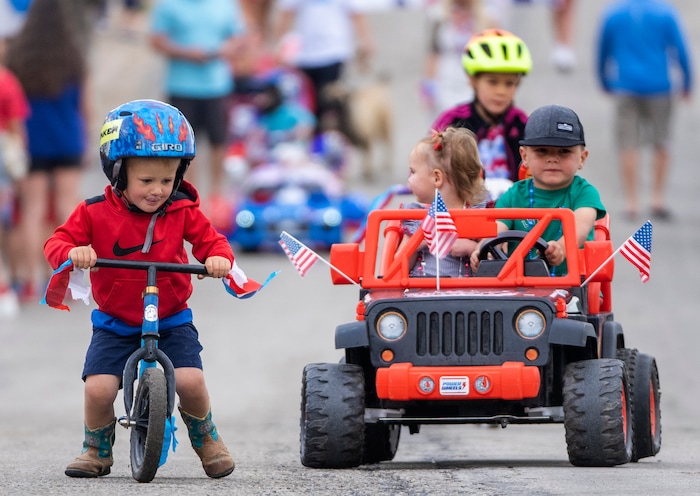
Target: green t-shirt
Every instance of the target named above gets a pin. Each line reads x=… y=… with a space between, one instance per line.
x=523 y=194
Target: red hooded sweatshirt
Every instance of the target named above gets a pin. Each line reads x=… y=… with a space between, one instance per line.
x=114 y=230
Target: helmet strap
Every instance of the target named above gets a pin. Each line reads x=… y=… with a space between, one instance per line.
x=180 y=174
x=119 y=174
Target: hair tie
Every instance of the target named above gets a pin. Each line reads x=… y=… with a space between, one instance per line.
x=437 y=141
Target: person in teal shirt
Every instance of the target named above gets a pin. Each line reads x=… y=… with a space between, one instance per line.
x=554 y=150
x=198 y=39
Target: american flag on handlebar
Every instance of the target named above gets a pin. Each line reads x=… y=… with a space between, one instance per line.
x=66 y=278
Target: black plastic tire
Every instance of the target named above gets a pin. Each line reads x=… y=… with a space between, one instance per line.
x=149 y=412
x=597 y=413
x=646 y=402
x=381 y=442
x=332 y=415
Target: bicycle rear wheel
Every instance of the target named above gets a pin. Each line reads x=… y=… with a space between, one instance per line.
x=148 y=413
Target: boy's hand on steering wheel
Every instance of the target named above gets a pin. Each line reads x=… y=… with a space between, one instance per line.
x=555 y=253
x=217 y=267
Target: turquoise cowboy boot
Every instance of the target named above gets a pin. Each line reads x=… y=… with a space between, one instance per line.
x=207 y=443
x=96 y=458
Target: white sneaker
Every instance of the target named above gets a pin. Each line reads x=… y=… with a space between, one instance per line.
x=9 y=304
x=563 y=58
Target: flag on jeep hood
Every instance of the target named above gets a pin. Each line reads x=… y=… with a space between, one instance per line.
x=439 y=228
x=637 y=249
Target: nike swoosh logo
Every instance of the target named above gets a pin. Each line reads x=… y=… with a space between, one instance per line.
x=122 y=252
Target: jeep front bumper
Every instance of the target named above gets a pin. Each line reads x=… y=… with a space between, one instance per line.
x=509 y=381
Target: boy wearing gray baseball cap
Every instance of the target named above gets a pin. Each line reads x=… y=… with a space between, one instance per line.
x=554 y=150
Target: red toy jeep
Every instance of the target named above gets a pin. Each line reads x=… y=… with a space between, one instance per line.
x=510 y=344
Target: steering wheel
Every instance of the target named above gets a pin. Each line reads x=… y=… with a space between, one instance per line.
x=491 y=245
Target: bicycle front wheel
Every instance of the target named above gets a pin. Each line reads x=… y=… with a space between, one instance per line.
x=149 y=412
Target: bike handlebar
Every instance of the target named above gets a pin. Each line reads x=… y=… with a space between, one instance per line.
x=159 y=266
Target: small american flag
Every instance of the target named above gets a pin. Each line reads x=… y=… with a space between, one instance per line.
x=299 y=254
x=239 y=285
x=637 y=249
x=439 y=228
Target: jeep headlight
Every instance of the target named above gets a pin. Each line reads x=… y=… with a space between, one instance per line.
x=391 y=326
x=530 y=323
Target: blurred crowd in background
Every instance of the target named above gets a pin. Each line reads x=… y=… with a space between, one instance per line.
x=262 y=82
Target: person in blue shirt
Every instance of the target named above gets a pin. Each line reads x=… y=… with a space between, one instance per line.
x=640 y=44
x=197 y=38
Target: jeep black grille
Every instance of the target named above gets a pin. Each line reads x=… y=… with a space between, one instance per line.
x=459 y=333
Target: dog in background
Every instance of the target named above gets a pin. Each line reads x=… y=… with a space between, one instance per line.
x=364 y=116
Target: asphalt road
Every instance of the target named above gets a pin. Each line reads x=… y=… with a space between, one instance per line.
x=255 y=349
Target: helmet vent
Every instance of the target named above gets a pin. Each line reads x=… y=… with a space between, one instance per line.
x=496 y=51
x=504 y=49
x=124 y=113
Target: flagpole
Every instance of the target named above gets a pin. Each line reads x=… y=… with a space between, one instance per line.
x=436 y=239
x=600 y=267
x=631 y=238
x=324 y=261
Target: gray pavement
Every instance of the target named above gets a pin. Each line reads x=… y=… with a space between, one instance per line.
x=255 y=349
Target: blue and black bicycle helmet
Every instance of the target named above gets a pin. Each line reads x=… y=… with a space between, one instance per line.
x=144 y=128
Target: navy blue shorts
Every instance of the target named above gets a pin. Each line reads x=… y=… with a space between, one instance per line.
x=108 y=352
x=51 y=164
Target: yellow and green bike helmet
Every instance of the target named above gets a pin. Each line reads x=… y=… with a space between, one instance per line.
x=496 y=50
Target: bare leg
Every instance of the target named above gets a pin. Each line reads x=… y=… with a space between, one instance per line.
x=192 y=391
x=192 y=172
x=67 y=188
x=563 y=20
x=34 y=206
x=4 y=279
x=9 y=305
x=661 y=166
x=100 y=393
x=563 y=55
x=14 y=242
x=217 y=155
x=629 y=160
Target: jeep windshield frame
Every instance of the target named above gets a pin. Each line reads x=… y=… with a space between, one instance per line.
x=385 y=262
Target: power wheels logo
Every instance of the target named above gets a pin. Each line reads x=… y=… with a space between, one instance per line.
x=454 y=386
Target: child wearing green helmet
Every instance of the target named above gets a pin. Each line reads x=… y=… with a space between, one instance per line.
x=495 y=61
